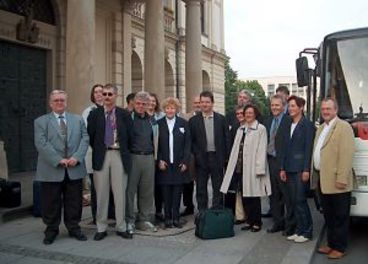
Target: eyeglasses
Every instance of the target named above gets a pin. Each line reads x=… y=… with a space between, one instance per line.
x=107 y=94
x=58 y=100
x=239 y=113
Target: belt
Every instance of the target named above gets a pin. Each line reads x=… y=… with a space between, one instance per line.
x=110 y=148
x=142 y=152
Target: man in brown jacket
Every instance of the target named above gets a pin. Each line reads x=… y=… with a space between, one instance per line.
x=333 y=176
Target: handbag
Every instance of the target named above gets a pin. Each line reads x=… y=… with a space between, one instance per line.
x=215 y=223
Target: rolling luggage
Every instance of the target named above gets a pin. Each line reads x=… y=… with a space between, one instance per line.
x=215 y=223
x=10 y=194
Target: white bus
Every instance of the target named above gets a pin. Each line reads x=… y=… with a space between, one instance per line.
x=341 y=71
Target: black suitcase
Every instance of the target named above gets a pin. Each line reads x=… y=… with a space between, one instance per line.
x=36 y=199
x=10 y=194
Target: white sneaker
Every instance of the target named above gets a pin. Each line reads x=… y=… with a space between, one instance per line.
x=292 y=237
x=146 y=225
x=301 y=239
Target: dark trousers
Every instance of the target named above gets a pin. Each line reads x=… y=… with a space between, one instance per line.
x=213 y=168
x=253 y=210
x=297 y=192
x=159 y=198
x=172 y=197
x=111 y=212
x=336 y=211
x=66 y=195
x=230 y=200
x=279 y=190
x=188 y=189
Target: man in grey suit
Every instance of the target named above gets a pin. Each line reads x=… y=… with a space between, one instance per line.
x=61 y=140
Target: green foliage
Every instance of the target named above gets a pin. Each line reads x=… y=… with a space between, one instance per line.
x=233 y=86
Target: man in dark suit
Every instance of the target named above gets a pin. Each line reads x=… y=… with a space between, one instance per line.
x=276 y=126
x=108 y=128
x=210 y=147
x=61 y=140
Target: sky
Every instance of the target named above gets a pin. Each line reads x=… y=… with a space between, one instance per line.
x=264 y=37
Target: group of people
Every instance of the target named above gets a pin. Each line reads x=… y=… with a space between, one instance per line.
x=142 y=157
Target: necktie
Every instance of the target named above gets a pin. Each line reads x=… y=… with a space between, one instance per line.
x=64 y=132
x=109 y=130
x=271 y=145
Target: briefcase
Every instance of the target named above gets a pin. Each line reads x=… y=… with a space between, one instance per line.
x=215 y=223
x=10 y=194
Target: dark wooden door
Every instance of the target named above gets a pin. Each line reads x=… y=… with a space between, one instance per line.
x=22 y=99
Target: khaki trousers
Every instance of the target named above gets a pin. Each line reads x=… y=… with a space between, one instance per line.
x=112 y=173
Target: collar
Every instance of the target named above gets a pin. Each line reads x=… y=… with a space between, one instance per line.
x=57 y=115
x=253 y=126
x=170 y=120
x=112 y=110
x=331 y=123
x=211 y=115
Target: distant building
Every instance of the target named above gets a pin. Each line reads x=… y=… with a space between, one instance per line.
x=270 y=84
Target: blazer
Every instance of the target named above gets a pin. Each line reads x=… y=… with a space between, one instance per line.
x=199 y=141
x=96 y=131
x=50 y=146
x=281 y=131
x=296 y=152
x=336 y=158
x=182 y=144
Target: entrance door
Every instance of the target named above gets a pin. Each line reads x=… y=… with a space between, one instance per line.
x=22 y=99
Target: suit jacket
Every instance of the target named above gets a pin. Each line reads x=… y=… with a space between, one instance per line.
x=96 y=131
x=50 y=145
x=199 y=141
x=182 y=144
x=336 y=158
x=279 y=138
x=296 y=152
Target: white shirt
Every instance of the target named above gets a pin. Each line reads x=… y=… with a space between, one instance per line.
x=58 y=119
x=321 y=140
x=170 y=124
x=292 y=128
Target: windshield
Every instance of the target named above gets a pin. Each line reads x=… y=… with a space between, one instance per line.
x=347 y=76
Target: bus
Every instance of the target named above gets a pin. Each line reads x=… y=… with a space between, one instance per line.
x=340 y=71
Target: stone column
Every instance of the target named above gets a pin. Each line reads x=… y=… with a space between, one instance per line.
x=80 y=49
x=154 y=49
x=127 y=48
x=193 y=50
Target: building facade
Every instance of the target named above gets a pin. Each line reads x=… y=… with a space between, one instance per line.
x=169 y=47
x=270 y=84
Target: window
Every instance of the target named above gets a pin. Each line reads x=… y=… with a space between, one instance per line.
x=203 y=17
x=270 y=89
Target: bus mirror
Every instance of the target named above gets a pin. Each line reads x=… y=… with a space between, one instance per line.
x=302 y=71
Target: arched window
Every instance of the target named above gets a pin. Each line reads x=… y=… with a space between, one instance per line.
x=42 y=9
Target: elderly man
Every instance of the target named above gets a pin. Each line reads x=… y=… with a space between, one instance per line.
x=141 y=178
x=244 y=98
x=108 y=128
x=61 y=140
x=333 y=176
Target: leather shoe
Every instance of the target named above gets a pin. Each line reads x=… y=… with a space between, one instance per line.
x=335 y=254
x=100 y=235
x=324 y=250
x=239 y=222
x=168 y=224
x=275 y=229
x=49 y=238
x=125 y=235
x=266 y=215
x=246 y=227
x=78 y=236
x=255 y=228
x=177 y=224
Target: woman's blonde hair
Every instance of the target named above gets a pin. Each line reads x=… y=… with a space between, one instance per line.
x=171 y=101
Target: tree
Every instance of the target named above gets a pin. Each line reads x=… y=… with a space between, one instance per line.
x=231 y=90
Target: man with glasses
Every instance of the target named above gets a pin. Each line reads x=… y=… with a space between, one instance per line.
x=108 y=128
x=61 y=140
x=141 y=179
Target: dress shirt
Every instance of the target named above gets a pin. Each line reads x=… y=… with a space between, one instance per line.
x=292 y=128
x=58 y=118
x=209 y=127
x=321 y=139
x=170 y=125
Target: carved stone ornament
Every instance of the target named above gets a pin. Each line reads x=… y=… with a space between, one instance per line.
x=26 y=30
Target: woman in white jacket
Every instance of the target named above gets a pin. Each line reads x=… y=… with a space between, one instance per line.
x=247 y=167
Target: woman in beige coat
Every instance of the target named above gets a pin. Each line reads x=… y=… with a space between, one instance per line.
x=249 y=161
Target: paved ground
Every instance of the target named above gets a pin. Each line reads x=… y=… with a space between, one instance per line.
x=357 y=248
x=21 y=242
